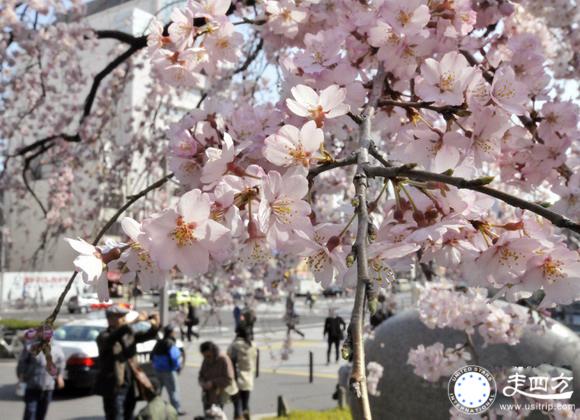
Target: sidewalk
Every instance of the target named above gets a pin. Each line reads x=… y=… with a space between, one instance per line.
x=271 y=344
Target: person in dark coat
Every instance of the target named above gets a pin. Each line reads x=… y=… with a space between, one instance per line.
x=167 y=362
x=117 y=349
x=216 y=376
x=191 y=320
x=334 y=327
x=40 y=384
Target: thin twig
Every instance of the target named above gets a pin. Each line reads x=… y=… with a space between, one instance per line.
x=314 y=172
x=474 y=185
x=130 y=201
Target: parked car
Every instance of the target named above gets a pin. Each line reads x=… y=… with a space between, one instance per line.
x=86 y=302
x=78 y=342
x=333 y=291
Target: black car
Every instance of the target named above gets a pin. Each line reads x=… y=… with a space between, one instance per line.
x=333 y=291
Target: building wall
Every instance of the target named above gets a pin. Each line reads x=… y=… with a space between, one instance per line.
x=27 y=226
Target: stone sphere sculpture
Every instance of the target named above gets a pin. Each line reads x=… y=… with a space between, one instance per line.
x=406 y=396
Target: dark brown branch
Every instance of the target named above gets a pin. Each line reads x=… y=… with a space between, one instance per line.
x=250 y=59
x=104 y=73
x=130 y=201
x=446 y=110
x=314 y=172
x=374 y=151
x=122 y=37
x=475 y=185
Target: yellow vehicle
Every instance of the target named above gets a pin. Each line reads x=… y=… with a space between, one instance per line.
x=183 y=297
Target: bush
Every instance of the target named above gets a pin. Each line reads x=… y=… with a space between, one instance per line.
x=19 y=324
x=334 y=414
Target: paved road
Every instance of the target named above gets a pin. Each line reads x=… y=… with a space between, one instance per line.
x=277 y=377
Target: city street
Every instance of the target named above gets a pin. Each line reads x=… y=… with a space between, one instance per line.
x=276 y=376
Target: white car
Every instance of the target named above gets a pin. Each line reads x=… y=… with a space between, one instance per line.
x=78 y=342
x=86 y=302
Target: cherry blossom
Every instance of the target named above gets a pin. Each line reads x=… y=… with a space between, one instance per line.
x=325 y=254
x=89 y=262
x=433 y=362
x=508 y=93
x=219 y=161
x=185 y=236
x=137 y=260
x=307 y=103
x=282 y=208
x=444 y=82
x=181 y=31
x=291 y=146
x=557 y=273
x=284 y=17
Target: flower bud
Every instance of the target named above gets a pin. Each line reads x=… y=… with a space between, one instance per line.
x=332 y=243
x=419 y=217
x=350 y=259
x=372 y=232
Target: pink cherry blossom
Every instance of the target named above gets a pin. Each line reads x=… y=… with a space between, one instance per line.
x=444 y=82
x=434 y=361
x=185 y=236
x=406 y=18
x=557 y=273
x=504 y=261
x=89 y=262
x=218 y=160
x=181 y=30
x=284 y=17
x=508 y=93
x=224 y=44
x=307 y=103
x=290 y=146
x=325 y=254
x=137 y=259
x=210 y=9
x=282 y=208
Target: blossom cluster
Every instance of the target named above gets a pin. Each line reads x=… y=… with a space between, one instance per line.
x=440 y=307
x=435 y=361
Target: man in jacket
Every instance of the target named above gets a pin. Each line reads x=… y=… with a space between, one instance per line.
x=40 y=384
x=117 y=350
x=166 y=360
x=334 y=328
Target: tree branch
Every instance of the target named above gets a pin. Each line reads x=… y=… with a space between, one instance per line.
x=478 y=185
x=130 y=201
x=90 y=99
x=358 y=374
x=314 y=172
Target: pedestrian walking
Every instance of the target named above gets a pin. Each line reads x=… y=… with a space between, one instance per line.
x=248 y=320
x=40 y=384
x=310 y=300
x=242 y=353
x=291 y=317
x=191 y=321
x=118 y=370
x=216 y=377
x=334 y=327
x=156 y=408
x=167 y=362
x=237 y=315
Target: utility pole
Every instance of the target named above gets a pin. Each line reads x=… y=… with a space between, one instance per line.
x=164 y=305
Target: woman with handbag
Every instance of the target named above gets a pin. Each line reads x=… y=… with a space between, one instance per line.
x=216 y=376
x=242 y=352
